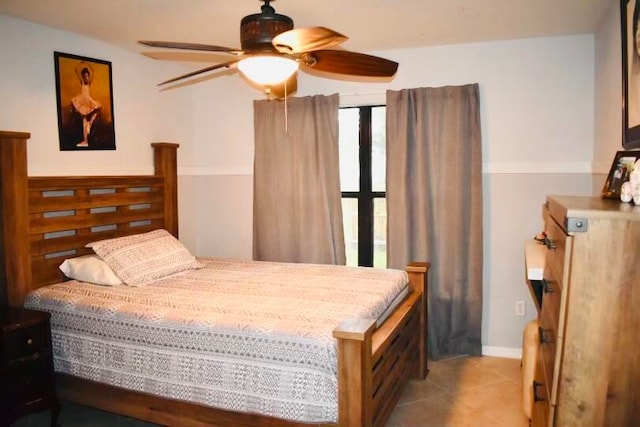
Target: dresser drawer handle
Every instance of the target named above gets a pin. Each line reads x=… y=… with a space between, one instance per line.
x=549 y=243
x=29 y=342
x=546 y=288
x=541 y=335
x=536 y=384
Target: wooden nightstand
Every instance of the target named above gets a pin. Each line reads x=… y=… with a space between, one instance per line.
x=27 y=381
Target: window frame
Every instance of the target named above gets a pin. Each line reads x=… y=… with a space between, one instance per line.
x=365 y=196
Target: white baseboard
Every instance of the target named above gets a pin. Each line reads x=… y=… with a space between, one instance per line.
x=508 y=352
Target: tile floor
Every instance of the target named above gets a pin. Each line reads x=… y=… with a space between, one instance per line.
x=464 y=391
x=459 y=392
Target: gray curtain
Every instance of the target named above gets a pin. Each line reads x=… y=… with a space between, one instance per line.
x=297 y=210
x=434 y=197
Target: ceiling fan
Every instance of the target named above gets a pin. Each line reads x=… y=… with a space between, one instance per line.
x=272 y=51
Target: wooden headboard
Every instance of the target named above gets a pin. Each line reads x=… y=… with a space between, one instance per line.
x=48 y=219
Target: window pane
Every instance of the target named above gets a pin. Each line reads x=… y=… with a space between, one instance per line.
x=350 y=224
x=380 y=232
x=378 y=148
x=349 y=128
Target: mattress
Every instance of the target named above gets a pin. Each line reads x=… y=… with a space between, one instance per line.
x=245 y=336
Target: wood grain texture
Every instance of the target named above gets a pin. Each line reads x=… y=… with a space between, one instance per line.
x=166 y=165
x=594 y=385
x=418 y=277
x=597 y=366
x=354 y=380
x=541 y=387
x=14 y=203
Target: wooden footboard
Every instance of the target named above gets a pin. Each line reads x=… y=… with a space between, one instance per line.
x=374 y=364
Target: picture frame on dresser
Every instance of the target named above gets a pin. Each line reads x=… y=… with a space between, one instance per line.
x=619 y=173
x=84 y=97
x=630 y=14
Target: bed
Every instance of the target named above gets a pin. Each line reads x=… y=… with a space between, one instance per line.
x=374 y=361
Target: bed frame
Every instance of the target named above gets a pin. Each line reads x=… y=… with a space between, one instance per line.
x=47 y=219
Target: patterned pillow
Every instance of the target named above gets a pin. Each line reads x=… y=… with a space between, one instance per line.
x=144 y=258
x=90 y=269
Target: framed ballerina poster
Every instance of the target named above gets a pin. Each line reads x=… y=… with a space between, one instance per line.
x=84 y=97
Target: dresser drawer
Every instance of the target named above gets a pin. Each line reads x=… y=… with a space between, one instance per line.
x=25 y=341
x=560 y=243
x=541 y=404
x=551 y=300
x=550 y=342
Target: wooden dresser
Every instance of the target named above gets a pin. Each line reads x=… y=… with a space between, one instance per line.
x=588 y=364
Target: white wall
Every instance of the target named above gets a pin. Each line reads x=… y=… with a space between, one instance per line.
x=142 y=114
x=537 y=100
x=608 y=94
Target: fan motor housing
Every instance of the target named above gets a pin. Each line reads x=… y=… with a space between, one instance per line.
x=257 y=30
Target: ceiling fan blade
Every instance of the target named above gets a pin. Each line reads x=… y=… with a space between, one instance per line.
x=350 y=63
x=184 y=56
x=280 y=90
x=197 y=72
x=191 y=46
x=301 y=40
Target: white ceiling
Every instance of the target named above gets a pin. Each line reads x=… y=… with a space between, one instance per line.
x=372 y=25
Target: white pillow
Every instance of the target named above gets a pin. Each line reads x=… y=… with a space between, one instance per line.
x=91 y=269
x=143 y=258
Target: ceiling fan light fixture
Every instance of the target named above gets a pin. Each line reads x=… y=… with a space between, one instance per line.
x=272 y=50
x=267 y=69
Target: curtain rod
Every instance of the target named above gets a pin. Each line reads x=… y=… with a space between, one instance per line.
x=362 y=93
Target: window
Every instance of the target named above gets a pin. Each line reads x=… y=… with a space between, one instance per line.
x=363 y=186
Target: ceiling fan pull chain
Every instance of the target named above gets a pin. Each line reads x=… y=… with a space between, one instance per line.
x=286 y=112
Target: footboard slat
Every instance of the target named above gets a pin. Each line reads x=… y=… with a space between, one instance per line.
x=394 y=373
x=374 y=366
x=390 y=359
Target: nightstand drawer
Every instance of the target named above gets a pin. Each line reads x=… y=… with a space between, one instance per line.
x=27 y=372
x=25 y=342
x=28 y=381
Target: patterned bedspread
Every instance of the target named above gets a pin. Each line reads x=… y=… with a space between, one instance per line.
x=240 y=335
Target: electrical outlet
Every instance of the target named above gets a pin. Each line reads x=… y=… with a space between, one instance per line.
x=520 y=308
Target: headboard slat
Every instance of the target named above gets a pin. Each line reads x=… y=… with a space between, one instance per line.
x=80 y=220
x=40 y=203
x=71 y=182
x=40 y=246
